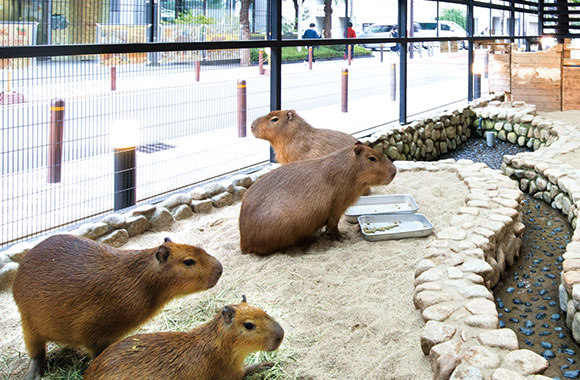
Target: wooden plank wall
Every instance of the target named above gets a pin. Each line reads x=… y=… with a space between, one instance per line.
x=536 y=77
x=570 y=78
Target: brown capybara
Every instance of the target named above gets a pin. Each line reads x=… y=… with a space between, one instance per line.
x=291 y=203
x=78 y=292
x=293 y=139
x=213 y=351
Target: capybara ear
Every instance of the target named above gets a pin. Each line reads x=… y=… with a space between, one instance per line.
x=290 y=114
x=244 y=298
x=162 y=254
x=167 y=240
x=228 y=313
x=357 y=149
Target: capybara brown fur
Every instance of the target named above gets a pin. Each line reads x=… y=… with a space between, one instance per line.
x=213 y=351
x=293 y=139
x=291 y=203
x=78 y=292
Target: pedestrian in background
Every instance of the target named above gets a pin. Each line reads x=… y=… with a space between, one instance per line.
x=350 y=33
x=309 y=34
x=395 y=34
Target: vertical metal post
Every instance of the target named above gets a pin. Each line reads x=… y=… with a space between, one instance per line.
x=381 y=53
x=113 y=78
x=310 y=57
x=275 y=21
x=261 y=62
x=393 y=76
x=197 y=71
x=349 y=47
x=470 y=52
x=485 y=64
x=241 y=108
x=476 y=86
x=125 y=177
x=402 y=17
x=540 y=19
x=344 y=92
x=55 y=138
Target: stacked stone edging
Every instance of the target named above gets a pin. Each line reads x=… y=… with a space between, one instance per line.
x=452 y=283
x=544 y=176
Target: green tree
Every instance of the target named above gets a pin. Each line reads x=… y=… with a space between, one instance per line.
x=455 y=15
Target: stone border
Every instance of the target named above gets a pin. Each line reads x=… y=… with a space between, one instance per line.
x=453 y=281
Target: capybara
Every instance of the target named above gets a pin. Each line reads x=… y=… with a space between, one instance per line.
x=291 y=203
x=78 y=292
x=213 y=351
x=293 y=139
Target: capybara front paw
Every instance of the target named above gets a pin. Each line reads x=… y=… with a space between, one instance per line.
x=250 y=370
x=335 y=235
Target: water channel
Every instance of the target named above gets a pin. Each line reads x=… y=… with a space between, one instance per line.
x=527 y=296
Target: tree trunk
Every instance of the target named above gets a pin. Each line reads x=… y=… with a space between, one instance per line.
x=296 y=15
x=327 y=18
x=245 y=26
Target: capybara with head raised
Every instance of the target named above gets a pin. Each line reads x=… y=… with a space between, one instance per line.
x=291 y=203
x=213 y=351
x=293 y=139
x=78 y=292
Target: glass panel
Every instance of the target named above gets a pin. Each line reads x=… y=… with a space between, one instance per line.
x=186 y=116
x=317 y=94
x=437 y=80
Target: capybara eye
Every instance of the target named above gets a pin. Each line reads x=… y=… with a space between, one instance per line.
x=372 y=158
x=249 y=325
x=189 y=262
x=274 y=119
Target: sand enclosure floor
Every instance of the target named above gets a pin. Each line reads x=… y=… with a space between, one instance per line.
x=346 y=307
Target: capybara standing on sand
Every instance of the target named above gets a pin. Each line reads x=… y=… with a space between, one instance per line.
x=293 y=139
x=291 y=203
x=75 y=291
x=213 y=351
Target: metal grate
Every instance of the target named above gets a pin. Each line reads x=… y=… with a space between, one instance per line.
x=154 y=147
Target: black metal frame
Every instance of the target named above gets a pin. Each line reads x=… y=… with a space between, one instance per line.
x=276 y=43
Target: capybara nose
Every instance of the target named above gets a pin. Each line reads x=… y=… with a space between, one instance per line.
x=393 y=171
x=217 y=273
x=278 y=336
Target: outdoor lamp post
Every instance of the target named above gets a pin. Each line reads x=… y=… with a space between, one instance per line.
x=124 y=136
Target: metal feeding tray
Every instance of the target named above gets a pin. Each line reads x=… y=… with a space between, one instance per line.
x=381 y=204
x=394 y=226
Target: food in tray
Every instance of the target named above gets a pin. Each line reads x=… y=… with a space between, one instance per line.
x=372 y=230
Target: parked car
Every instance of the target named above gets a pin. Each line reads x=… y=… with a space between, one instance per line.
x=446 y=29
x=378 y=31
x=383 y=30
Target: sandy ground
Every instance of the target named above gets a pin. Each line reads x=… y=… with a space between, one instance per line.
x=572 y=118
x=346 y=306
